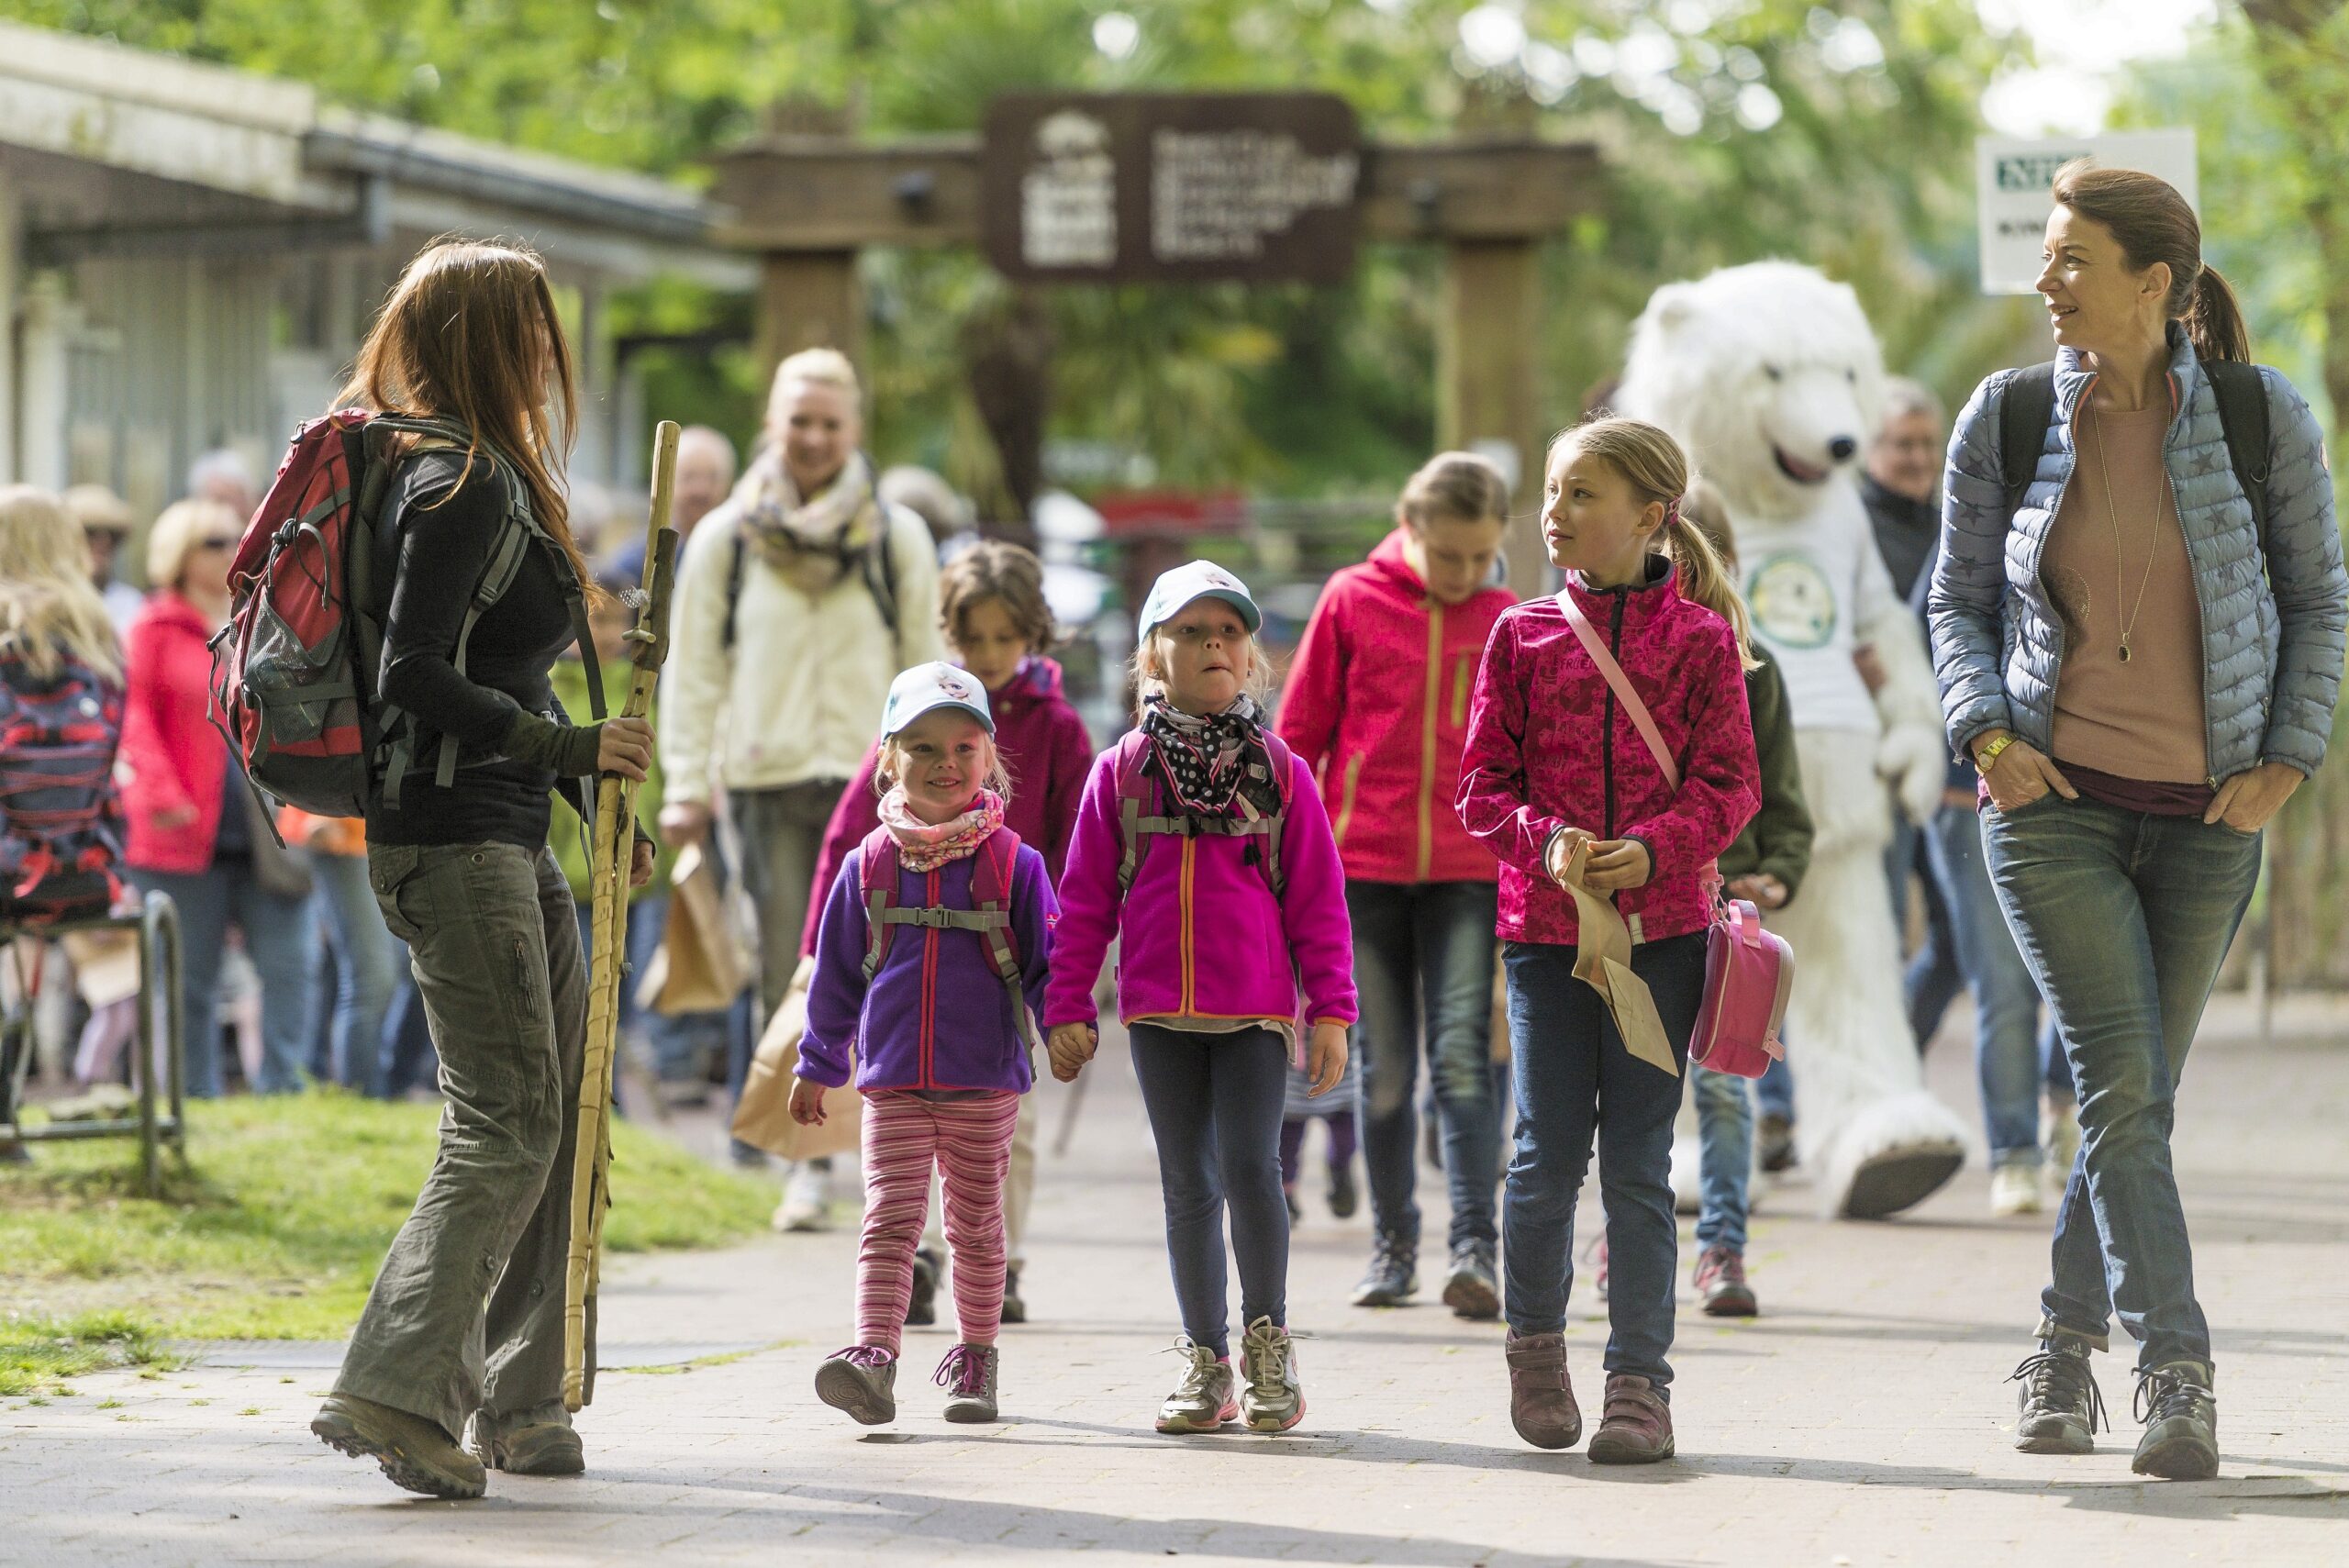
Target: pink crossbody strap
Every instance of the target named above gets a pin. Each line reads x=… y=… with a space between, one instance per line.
x=1643 y=720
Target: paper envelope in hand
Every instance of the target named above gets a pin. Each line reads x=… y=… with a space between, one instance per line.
x=1603 y=961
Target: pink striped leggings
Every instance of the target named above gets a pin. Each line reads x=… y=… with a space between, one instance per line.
x=969 y=1143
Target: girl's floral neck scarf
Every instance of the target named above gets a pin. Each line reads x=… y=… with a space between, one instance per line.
x=926 y=845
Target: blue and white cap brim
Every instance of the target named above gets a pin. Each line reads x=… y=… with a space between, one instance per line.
x=1198 y=580
x=926 y=687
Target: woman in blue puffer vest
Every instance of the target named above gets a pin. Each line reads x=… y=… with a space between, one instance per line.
x=2142 y=651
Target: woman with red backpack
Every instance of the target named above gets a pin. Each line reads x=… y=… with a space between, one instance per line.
x=465 y=1322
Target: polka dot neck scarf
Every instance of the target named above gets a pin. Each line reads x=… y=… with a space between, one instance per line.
x=1213 y=766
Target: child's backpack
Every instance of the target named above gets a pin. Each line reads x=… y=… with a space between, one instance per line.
x=58 y=810
x=992 y=866
x=293 y=670
x=1135 y=823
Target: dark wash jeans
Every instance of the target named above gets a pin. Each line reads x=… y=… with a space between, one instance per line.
x=2123 y=918
x=1423 y=957
x=1574 y=1079
x=467 y=1313
x=1215 y=1113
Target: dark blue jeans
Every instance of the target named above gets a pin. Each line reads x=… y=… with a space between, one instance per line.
x=1423 y=960
x=2005 y=1004
x=2125 y=918
x=1574 y=1079
x=1215 y=1112
x=275 y=928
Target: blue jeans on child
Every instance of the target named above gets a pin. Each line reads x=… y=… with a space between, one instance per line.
x=1575 y=1080
x=1423 y=957
x=1215 y=1112
x=1725 y=1165
x=2123 y=918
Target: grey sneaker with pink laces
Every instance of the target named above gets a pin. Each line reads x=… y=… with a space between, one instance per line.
x=861 y=1380
x=968 y=1376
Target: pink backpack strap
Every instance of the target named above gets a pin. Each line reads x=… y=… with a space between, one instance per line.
x=876 y=882
x=1644 y=721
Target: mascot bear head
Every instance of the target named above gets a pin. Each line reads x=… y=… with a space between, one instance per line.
x=1770 y=376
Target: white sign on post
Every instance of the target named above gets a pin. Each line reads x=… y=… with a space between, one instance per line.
x=2013 y=176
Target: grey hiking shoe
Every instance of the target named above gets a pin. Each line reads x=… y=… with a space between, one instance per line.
x=1202 y=1401
x=1015 y=1305
x=414 y=1454
x=968 y=1376
x=1392 y=1277
x=921 y=1308
x=2059 y=1407
x=2181 y=1417
x=1473 y=1291
x=1271 y=1400
x=861 y=1380
x=537 y=1442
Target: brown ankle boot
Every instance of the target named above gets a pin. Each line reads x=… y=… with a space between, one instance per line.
x=1637 y=1426
x=1541 y=1400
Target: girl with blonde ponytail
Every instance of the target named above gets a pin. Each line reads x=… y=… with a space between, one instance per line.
x=1558 y=780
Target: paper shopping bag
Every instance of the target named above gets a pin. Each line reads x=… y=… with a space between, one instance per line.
x=763 y=1116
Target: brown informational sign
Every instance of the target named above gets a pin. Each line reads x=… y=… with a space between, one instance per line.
x=1174 y=187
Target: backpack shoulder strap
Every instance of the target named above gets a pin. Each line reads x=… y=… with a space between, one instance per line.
x=880 y=568
x=876 y=884
x=1134 y=796
x=2242 y=393
x=736 y=563
x=994 y=868
x=1284 y=783
x=2025 y=405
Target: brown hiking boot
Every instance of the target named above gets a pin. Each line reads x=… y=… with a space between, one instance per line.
x=414 y=1454
x=538 y=1442
x=1541 y=1399
x=1637 y=1426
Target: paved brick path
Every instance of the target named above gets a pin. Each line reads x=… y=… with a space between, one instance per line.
x=1858 y=1422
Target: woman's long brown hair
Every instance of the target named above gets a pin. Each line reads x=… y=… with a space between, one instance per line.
x=470 y=334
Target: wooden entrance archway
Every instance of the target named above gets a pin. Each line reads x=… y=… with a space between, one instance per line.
x=808 y=204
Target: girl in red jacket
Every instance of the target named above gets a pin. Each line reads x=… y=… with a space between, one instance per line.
x=1378 y=707
x=1556 y=768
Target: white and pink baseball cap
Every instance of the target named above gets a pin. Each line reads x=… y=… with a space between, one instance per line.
x=935 y=685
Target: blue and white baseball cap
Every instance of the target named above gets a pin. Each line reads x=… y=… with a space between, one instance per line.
x=936 y=684
x=1198 y=580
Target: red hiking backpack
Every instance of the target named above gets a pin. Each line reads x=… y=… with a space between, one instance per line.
x=992 y=866
x=293 y=671
x=1135 y=823
x=59 y=814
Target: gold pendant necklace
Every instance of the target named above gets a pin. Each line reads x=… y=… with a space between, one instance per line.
x=2104 y=469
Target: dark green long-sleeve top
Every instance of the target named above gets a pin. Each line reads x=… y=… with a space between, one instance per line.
x=1778 y=841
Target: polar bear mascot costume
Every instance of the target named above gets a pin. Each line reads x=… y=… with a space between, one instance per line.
x=1770 y=376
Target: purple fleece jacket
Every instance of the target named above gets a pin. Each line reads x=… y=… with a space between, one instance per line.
x=937 y=1016
x=1203 y=934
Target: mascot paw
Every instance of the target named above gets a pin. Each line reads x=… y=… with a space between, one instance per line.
x=1687 y=1189
x=1915 y=758
x=1899 y=1178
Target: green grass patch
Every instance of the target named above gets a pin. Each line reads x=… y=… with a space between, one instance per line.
x=274 y=1230
x=38 y=1352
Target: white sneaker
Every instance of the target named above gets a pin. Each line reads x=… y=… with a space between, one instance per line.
x=2059 y=1134
x=2014 y=1189
x=806 y=1200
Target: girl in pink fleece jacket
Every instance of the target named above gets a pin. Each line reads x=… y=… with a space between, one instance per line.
x=1200 y=842
x=1555 y=767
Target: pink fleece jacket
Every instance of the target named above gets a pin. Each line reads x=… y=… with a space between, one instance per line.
x=1203 y=934
x=1549 y=747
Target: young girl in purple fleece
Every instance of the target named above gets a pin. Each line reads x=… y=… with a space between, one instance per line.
x=1174 y=854
x=942 y=1038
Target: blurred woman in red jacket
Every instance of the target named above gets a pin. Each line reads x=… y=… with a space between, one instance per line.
x=196 y=831
x=1378 y=706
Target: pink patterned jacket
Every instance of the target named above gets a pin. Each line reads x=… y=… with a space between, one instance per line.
x=1549 y=747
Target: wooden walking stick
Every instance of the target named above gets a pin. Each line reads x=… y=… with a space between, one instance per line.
x=609 y=856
